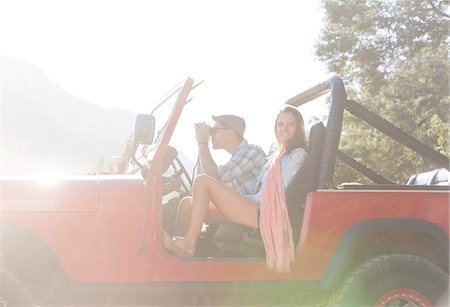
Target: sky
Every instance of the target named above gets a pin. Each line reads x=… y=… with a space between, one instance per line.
x=251 y=55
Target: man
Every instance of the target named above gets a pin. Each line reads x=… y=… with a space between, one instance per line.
x=240 y=172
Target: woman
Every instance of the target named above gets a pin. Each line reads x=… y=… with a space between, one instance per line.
x=259 y=209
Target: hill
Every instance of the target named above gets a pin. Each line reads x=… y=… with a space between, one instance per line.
x=47 y=129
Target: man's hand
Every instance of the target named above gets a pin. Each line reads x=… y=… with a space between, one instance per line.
x=206 y=163
x=202 y=132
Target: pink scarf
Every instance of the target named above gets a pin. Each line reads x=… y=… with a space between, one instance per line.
x=274 y=224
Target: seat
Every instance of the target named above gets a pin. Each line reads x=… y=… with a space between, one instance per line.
x=238 y=240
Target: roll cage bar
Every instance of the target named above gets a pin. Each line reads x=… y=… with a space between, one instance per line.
x=331 y=151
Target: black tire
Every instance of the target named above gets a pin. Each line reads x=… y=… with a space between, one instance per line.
x=13 y=292
x=394 y=280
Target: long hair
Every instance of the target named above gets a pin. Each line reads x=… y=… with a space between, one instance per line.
x=299 y=138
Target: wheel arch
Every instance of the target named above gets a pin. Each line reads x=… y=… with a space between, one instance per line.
x=31 y=260
x=380 y=236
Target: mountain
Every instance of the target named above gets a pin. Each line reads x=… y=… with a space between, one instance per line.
x=46 y=129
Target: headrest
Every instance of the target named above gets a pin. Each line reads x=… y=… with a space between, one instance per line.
x=316 y=137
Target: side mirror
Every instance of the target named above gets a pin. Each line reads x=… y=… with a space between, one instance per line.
x=144 y=129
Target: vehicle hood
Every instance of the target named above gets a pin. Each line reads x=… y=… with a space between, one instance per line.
x=72 y=193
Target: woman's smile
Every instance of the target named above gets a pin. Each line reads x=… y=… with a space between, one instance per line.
x=286 y=127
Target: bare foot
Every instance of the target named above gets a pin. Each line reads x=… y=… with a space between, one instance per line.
x=174 y=245
x=189 y=246
x=180 y=245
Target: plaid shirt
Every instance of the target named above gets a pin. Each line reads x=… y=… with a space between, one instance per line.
x=243 y=169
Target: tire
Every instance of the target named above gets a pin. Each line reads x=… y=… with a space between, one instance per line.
x=394 y=280
x=13 y=292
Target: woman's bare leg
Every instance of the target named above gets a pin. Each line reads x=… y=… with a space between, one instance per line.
x=234 y=206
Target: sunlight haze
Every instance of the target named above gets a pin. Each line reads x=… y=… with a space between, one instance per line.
x=252 y=55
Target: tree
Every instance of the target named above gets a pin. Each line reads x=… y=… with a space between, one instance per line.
x=393 y=56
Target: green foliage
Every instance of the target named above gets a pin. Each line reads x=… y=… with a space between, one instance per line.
x=393 y=56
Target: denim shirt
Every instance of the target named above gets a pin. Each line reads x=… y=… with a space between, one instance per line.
x=290 y=163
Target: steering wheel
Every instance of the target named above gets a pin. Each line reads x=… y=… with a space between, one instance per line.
x=179 y=179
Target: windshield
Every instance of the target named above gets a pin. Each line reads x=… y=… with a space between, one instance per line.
x=183 y=138
x=162 y=113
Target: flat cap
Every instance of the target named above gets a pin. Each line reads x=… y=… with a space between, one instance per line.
x=234 y=122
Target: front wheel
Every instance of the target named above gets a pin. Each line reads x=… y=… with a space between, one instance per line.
x=394 y=280
x=13 y=292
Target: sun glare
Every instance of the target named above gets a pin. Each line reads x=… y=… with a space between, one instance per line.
x=49 y=177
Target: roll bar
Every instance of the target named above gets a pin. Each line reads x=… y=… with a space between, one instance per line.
x=339 y=103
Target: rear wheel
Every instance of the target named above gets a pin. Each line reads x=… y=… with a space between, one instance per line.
x=394 y=280
x=13 y=292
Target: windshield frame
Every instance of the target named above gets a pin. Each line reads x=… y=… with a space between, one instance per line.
x=146 y=154
x=161 y=143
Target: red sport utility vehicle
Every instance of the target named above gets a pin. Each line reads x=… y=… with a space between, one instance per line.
x=97 y=239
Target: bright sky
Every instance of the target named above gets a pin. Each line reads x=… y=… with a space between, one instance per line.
x=253 y=55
